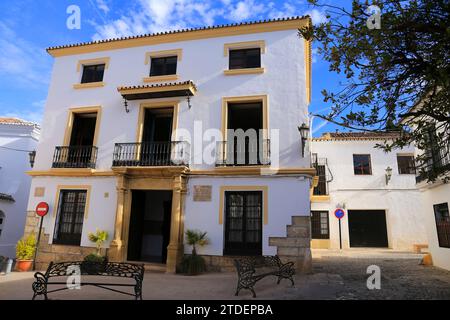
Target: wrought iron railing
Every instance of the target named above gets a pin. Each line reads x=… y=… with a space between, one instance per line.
x=149 y=154
x=243 y=154
x=320 y=164
x=75 y=157
x=433 y=163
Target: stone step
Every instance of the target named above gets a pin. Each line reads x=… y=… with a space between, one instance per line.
x=289 y=242
x=293 y=252
x=300 y=220
x=298 y=232
x=154 y=267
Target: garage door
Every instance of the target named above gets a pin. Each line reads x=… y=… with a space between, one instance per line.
x=367 y=228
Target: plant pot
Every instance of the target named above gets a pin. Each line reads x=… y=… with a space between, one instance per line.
x=24 y=265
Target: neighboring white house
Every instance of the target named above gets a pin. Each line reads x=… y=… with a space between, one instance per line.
x=17 y=137
x=383 y=207
x=133 y=144
x=436 y=202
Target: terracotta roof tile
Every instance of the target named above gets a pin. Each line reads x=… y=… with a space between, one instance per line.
x=148 y=35
x=16 y=121
x=158 y=85
x=357 y=136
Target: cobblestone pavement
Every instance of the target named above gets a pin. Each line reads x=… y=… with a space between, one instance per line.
x=336 y=275
x=402 y=275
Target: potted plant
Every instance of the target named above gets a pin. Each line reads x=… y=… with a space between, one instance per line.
x=25 y=249
x=96 y=262
x=194 y=264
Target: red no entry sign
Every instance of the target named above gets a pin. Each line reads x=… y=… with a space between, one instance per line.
x=42 y=209
x=339 y=213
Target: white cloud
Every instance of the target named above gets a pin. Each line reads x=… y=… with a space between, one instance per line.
x=22 y=61
x=33 y=114
x=152 y=16
x=317 y=16
x=101 y=4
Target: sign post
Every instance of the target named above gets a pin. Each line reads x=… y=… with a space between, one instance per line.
x=41 y=211
x=339 y=214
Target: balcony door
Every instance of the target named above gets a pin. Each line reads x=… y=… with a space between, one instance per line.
x=81 y=142
x=156 y=138
x=244 y=116
x=243 y=223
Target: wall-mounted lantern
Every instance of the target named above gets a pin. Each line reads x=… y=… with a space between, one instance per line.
x=32 y=155
x=125 y=104
x=304 y=134
x=388 y=174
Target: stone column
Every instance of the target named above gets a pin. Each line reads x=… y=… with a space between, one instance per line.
x=175 y=248
x=116 y=250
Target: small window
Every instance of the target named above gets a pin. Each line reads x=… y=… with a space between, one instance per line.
x=405 y=164
x=245 y=58
x=442 y=217
x=319 y=225
x=163 y=66
x=93 y=73
x=361 y=164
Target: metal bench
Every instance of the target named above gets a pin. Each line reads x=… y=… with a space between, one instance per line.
x=110 y=269
x=267 y=266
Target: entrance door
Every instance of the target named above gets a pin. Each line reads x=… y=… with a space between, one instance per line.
x=367 y=228
x=149 y=232
x=243 y=223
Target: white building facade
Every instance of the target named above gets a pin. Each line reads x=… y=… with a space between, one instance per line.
x=383 y=208
x=435 y=195
x=136 y=142
x=17 y=139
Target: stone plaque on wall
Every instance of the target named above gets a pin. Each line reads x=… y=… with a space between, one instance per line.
x=202 y=193
x=39 y=192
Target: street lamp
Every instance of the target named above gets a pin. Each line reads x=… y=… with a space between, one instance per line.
x=32 y=155
x=304 y=133
x=388 y=174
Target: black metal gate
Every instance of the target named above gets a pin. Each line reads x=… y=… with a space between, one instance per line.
x=367 y=228
x=243 y=223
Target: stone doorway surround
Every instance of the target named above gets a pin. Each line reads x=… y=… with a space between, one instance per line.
x=151 y=178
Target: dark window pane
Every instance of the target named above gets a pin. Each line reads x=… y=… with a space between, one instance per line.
x=442 y=216
x=163 y=66
x=93 y=73
x=69 y=223
x=245 y=58
x=319 y=225
x=405 y=164
x=361 y=164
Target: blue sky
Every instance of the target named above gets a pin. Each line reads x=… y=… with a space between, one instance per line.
x=27 y=27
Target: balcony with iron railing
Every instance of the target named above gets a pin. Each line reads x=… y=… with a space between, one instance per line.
x=75 y=157
x=321 y=166
x=433 y=164
x=151 y=154
x=243 y=154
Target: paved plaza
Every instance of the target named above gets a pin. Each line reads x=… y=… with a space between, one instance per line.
x=336 y=275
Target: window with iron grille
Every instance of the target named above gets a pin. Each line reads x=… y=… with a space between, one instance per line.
x=442 y=217
x=319 y=225
x=405 y=164
x=93 y=73
x=69 y=221
x=361 y=164
x=245 y=58
x=163 y=66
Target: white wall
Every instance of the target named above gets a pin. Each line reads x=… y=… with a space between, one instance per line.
x=400 y=198
x=203 y=62
x=440 y=193
x=15 y=182
x=101 y=212
x=287 y=197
